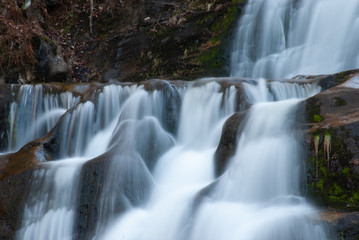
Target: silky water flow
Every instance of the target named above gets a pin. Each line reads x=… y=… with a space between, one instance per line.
x=161 y=183
x=285 y=38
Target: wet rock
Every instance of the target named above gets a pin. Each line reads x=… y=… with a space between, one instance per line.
x=203 y=194
x=333 y=153
x=228 y=142
x=145 y=137
x=341 y=225
x=91 y=186
x=171 y=98
x=14 y=191
x=110 y=184
x=26 y=158
x=333 y=80
x=15 y=181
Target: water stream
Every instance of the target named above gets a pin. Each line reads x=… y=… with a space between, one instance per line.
x=159 y=145
x=285 y=38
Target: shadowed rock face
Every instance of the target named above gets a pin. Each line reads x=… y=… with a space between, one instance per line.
x=228 y=142
x=14 y=192
x=333 y=140
x=15 y=182
x=91 y=186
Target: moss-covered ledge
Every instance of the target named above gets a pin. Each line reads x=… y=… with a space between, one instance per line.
x=332 y=124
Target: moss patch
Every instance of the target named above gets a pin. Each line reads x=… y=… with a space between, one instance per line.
x=313 y=111
x=331 y=180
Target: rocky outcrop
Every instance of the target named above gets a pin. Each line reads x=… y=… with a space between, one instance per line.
x=341 y=225
x=14 y=191
x=228 y=142
x=167 y=39
x=15 y=181
x=333 y=123
x=116 y=40
x=50 y=63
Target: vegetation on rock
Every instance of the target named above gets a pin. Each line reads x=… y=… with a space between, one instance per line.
x=116 y=40
x=332 y=165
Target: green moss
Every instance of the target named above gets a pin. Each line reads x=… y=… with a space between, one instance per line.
x=313 y=111
x=333 y=185
x=317 y=118
x=345 y=171
x=336 y=190
x=223 y=24
x=355 y=198
x=209 y=58
x=340 y=75
x=320 y=184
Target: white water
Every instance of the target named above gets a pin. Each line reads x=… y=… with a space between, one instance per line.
x=50 y=208
x=161 y=174
x=49 y=212
x=257 y=197
x=284 y=38
x=34 y=113
x=155 y=176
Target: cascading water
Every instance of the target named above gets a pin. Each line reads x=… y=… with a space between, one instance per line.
x=284 y=38
x=34 y=113
x=258 y=196
x=159 y=145
x=54 y=185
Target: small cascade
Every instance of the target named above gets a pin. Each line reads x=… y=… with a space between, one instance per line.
x=83 y=124
x=53 y=197
x=34 y=113
x=198 y=122
x=157 y=150
x=139 y=162
x=137 y=142
x=49 y=211
x=285 y=38
x=182 y=170
x=258 y=197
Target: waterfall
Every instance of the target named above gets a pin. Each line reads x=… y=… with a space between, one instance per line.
x=150 y=149
x=258 y=197
x=284 y=38
x=34 y=113
x=49 y=212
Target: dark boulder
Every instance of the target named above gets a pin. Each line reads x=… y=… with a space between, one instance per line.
x=14 y=192
x=109 y=185
x=91 y=184
x=228 y=142
x=50 y=65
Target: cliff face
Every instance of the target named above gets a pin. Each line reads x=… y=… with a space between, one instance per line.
x=74 y=41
